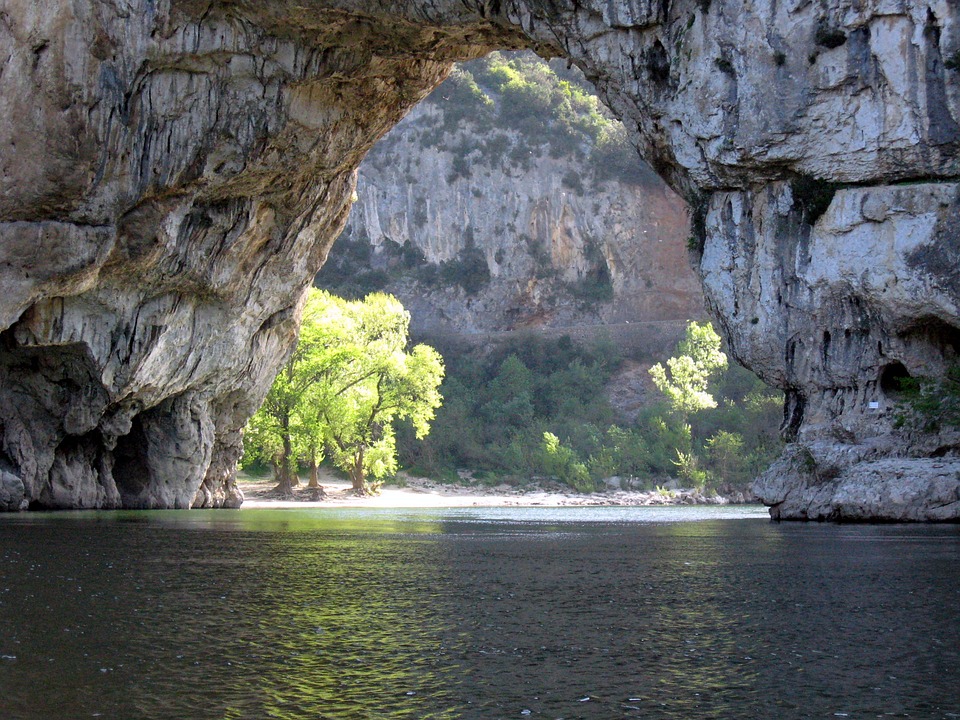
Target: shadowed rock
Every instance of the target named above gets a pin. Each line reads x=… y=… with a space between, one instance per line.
x=172 y=175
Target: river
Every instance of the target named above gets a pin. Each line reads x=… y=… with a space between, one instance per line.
x=475 y=613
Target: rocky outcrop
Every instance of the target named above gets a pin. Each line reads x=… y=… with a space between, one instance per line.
x=858 y=298
x=563 y=242
x=172 y=173
x=171 y=177
x=858 y=482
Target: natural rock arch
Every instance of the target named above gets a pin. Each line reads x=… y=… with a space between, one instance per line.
x=173 y=173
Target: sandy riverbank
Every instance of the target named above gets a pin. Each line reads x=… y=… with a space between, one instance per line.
x=423 y=493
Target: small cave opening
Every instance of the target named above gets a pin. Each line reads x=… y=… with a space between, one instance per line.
x=891 y=379
x=936 y=333
x=130 y=467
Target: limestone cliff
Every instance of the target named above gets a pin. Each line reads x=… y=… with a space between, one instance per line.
x=559 y=238
x=172 y=173
x=171 y=177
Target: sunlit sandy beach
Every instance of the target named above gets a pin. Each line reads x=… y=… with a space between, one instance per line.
x=421 y=492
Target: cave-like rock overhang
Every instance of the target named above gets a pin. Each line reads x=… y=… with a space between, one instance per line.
x=173 y=174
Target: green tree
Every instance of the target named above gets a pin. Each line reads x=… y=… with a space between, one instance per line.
x=346 y=383
x=561 y=462
x=367 y=381
x=685 y=382
x=698 y=358
x=284 y=428
x=727 y=456
x=510 y=394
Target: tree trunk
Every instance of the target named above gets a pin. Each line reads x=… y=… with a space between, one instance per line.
x=288 y=479
x=314 y=479
x=357 y=476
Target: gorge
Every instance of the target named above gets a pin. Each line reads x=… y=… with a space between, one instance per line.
x=173 y=173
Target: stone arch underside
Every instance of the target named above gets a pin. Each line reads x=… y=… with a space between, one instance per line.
x=174 y=172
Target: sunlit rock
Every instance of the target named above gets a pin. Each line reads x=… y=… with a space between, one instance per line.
x=172 y=174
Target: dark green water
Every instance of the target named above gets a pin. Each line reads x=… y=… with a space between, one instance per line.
x=569 y=613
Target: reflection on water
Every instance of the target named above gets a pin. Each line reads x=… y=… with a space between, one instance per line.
x=475 y=613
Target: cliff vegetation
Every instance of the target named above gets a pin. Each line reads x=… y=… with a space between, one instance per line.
x=537 y=407
x=511 y=198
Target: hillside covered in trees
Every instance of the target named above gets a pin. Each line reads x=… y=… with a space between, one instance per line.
x=536 y=408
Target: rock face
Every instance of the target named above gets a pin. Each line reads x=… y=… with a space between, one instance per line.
x=861 y=297
x=172 y=173
x=559 y=241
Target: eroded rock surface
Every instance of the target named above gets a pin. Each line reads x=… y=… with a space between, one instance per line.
x=558 y=240
x=172 y=174
x=171 y=178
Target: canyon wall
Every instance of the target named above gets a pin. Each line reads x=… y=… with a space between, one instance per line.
x=483 y=224
x=172 y=174
x=171 y=177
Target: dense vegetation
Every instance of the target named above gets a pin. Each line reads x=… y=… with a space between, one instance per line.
x=356 y=271
x=537 y=407
x=928 y=404
x=523 y=107
x=340 y=393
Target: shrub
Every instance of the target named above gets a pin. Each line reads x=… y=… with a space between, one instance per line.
x=469 y=270
x=571 y=180
x=829 y=36
x=559 y=461
x=594 y=287
x=461 y=99
x=688 y=468
x=812 y=196
x=929 y=404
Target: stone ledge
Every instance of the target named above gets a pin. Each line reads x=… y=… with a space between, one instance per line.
x=801 y=487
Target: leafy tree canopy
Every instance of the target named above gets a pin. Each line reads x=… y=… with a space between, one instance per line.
x=350 y=378
x=685 y=379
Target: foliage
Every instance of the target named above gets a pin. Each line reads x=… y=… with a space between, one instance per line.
x=348 y=271
x=930 y=404
x=725 y=450
x=284 y=427
x=462 y=99
x=469 y=270
x=538 y=406
x=688 y=469
x=354 y=271
x=349 y=380
x=594 y=287
x=812 y=196
x=698 y=359
x=499 y=402
x=561 y=462
x=549 y=109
